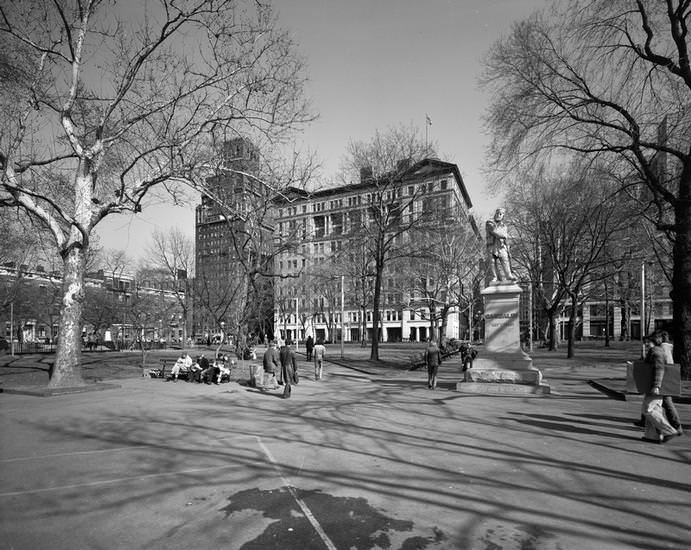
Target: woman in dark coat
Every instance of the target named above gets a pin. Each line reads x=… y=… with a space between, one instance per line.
x=309 y=346
x=288 y=367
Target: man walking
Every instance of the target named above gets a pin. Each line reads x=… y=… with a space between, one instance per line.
x=433 y=360
x=309 y=346
x=657 y=427
x=288 y=367
x=319 y=352
x=271 y=363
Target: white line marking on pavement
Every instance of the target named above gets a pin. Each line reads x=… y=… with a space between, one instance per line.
x=305 y=510
x=41 y=457
x=115 y=480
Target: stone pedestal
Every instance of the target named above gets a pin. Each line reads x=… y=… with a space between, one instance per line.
x=502 y=367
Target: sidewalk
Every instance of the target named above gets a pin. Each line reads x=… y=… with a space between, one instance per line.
x=362 y=460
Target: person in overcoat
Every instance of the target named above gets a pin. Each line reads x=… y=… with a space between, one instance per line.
x=657 y=427
x=433 y=360
x=288 y=367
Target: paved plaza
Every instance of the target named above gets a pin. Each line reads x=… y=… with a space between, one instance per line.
x=365 y=459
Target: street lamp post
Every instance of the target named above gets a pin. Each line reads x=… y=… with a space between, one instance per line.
x=12 y=328
x=297 y=320
x=642 y=309
x=530 y=316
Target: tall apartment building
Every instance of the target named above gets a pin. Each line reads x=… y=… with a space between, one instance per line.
x=221 y=220
x=322 y=224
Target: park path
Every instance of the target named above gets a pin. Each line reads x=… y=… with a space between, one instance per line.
x=358 y=461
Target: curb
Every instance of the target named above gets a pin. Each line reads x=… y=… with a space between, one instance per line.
x=44 y=391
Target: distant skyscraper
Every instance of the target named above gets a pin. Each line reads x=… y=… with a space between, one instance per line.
x=219 y=220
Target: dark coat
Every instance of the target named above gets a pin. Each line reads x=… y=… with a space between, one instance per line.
x=287 y=357
x=271 y=360
x=656 y=359
x=288 y=364
x=432 y=355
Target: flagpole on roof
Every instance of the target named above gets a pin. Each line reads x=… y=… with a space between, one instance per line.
x=428 y=123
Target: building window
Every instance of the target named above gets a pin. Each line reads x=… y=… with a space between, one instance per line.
x=444 y=184
x=337 y=224
x=319 y=226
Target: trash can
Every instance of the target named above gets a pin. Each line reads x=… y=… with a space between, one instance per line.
x=256 y=376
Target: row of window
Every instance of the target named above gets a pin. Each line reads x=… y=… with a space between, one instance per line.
x=356 y=200
x=656 y=308
x=339 y=224
x=353 y=317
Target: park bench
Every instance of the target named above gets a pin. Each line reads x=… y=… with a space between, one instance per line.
x=166 y=367
x=160 y=372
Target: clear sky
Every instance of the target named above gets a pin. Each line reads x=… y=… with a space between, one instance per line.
x=374 y=64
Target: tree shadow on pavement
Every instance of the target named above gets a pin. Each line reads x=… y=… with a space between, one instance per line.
x=426 y=457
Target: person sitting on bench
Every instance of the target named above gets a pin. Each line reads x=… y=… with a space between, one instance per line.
x=183 y=365
x=195 y=372
x=223 y=370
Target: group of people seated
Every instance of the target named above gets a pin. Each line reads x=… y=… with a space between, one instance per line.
x=201 y=370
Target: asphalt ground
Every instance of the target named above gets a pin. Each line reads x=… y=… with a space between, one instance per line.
x=368 y=458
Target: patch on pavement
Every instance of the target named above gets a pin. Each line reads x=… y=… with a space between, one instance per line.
x=504 y=535
x=349 y=522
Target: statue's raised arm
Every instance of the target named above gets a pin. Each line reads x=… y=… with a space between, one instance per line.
x=497 y=235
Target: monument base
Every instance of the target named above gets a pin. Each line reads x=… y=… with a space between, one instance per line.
x=502 y=374
x=516 y=361
x=493 y=388
x=503 y=367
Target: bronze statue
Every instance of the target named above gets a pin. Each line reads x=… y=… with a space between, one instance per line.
x=498 y=248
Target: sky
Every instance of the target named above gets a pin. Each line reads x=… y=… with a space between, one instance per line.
x=374 y=64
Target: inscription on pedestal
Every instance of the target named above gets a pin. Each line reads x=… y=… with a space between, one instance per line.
x=502 y=325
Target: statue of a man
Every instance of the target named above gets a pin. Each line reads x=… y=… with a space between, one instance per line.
x=498 y=248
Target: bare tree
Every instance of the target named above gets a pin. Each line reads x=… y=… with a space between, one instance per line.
x=391 y=210
x=173 y=253
x=358 y=267
x=450 y=267
x=609 y=80
x=564 y=244
x=101 y=110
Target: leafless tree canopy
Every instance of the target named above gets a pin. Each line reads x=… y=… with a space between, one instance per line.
x=104 y=101
x=610 y=80
x=134 y=94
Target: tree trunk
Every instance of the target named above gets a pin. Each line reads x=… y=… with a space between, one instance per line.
x=444 y=324
x=573 y=315
x=553 y=337
x=142 y=348
x=374 y=354
x=681 y=277
x=67 y=370
x=363 y=328
x=432 y=322
x=607 y=316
